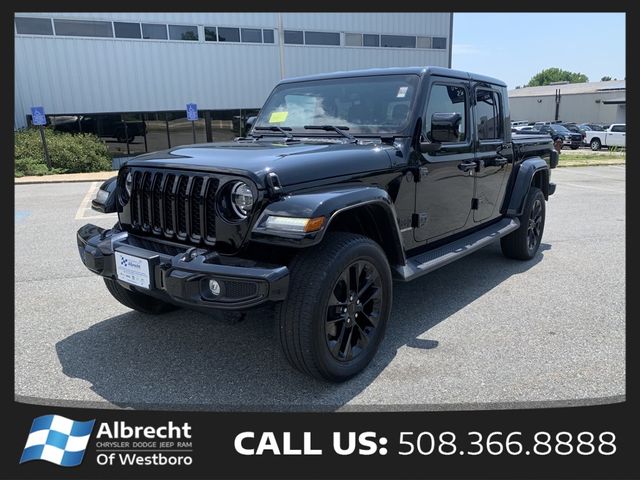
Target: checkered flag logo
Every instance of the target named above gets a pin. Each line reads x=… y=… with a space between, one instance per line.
x=57 y=440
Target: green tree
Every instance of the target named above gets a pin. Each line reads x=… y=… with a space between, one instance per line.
x=550 y=75
x=605 y=79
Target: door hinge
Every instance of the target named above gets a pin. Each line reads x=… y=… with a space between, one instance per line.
x=418 y=220
x=421 y=174
x=474 y=203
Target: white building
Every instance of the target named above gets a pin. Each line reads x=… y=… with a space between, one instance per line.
x=594 y=102
x=148 y=66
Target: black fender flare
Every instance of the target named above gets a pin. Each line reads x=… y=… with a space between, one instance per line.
x=108 y=205
x=330 y=204
x=527 y=170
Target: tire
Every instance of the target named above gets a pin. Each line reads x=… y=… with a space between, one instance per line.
x=312 y=321
x=574 y=147
x=523 y=243
x=596 y=144
x=136 y=300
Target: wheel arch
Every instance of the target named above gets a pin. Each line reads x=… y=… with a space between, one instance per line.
x=534 y=172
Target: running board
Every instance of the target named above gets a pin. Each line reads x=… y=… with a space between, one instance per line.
x=441 y=256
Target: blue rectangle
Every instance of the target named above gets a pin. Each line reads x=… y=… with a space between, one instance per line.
x=37 y=116
x=41 y=423
x=80 y=429
x=57 y=439
x=192 y=112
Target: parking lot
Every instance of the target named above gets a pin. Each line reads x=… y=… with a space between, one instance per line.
x=484 y=332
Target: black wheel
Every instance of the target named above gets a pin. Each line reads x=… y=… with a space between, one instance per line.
x=136 y=300
x=339 y=302
x=595 y=144
x=523 y=243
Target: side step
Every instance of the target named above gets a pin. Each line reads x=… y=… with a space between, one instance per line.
x=439 y=257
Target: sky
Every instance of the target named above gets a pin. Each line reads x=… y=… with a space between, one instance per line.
x=515 y=46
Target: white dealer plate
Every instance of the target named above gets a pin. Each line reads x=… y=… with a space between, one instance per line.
x=133 y=270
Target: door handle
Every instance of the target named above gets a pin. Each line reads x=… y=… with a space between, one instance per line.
x=497 y=162
x=466 y=166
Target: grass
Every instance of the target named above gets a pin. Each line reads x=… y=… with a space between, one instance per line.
x=582 y=158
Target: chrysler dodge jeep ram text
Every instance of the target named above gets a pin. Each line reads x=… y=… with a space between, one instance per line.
x=345 y=182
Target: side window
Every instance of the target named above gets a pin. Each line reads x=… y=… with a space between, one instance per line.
x=488 y=118
x=447 y=99
x=618 y=128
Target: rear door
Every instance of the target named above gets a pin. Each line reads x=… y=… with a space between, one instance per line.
x=493 y=152
x=444 y=192
x=616 y=137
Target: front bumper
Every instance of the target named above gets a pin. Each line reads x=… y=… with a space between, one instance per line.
x=180 y=274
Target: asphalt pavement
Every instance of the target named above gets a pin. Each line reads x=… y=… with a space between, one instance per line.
x=483 y=332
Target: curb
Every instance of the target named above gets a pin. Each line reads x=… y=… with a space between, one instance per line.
x=63 y=178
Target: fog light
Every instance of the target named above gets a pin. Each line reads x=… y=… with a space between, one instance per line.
x=214 y=287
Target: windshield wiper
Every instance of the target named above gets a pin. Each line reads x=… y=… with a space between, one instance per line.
x=274 y=128
x=328 y=128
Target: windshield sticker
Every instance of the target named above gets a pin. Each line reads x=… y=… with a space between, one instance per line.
x=277 y=117
x=402 y=92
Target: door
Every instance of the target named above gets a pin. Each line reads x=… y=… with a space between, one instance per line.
x=493 y=155
x=616 y=137
x=444 y=191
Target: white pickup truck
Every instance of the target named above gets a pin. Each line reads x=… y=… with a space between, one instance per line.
x=614 y=136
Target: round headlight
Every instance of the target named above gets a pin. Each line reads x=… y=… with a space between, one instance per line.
x=241 y=199
x=128 y=183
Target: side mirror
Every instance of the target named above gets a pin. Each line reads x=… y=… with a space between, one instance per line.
x=445 y=127
x=249 y=123
x=430 y=147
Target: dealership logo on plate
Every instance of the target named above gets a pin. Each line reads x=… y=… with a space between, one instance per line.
x=58 y=440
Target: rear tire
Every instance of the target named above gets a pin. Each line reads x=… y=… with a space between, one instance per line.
x=336 y=313
x=523 y=243
x=136 y=300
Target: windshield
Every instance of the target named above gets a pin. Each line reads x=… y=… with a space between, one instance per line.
x=366 y=105
x=559 y=129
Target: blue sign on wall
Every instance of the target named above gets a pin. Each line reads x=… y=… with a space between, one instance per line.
x=192 y=112
x=37 y=116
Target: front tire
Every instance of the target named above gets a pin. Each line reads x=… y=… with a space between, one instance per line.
x=523 y=243
x=337 y=310
x=136 y=300
x=595 y=144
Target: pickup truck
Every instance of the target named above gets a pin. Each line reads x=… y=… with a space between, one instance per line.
x=346 y=182
x=614 y=136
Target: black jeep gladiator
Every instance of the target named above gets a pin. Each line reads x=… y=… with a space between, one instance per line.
x=345 y=182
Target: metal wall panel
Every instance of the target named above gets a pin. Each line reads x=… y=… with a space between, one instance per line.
x=70 y=75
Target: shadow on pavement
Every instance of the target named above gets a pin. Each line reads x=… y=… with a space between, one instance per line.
x=190 y=361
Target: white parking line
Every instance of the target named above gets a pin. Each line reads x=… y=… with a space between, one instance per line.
x=590 y=187
x=84 y=210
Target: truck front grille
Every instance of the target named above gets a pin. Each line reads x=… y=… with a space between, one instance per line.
x=178 y=206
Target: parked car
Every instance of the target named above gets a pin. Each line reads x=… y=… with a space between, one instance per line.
x=572 y=127
x=527 y=129
x=593 y=126
x=557 y=131
x=102 y=125
x=519 y=123
x=614 y=136
x=345 y=182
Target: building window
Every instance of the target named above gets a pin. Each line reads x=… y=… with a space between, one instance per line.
x=226 y=34
x=183 y=32
x=127 y=30
x=369 y=40
x=153 y=31
x=424 y=42
x=267 y=36
x=321 y=38
x=440 y=43
x=34 y=26
x=251 y=35
x=293 y=37
x=83 y=28
x=353 y=39
x=398 y=41
x=210 y=34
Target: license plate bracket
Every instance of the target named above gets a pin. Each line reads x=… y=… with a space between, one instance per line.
x=133 y=270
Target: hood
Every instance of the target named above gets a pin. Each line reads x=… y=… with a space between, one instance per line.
x=294 y=163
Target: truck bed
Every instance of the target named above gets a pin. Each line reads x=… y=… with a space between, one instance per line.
x=530 y=145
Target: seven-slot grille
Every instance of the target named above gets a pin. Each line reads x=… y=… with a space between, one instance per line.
x=174 y=205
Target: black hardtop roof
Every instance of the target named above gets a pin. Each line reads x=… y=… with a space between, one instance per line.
x=420 y=71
